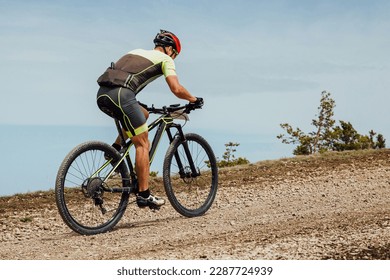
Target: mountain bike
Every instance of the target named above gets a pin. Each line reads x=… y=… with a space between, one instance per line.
x=94 y=181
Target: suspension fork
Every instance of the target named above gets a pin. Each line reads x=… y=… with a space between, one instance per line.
x=180 y=134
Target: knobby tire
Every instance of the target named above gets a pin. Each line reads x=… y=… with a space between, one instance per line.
x=190 y=196
x=76 y=204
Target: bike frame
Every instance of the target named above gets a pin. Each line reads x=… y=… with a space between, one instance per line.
x=164 y=123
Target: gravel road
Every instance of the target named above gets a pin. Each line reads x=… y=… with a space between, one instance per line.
x=323 y=207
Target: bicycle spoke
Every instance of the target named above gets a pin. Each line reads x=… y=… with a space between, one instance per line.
x=191 y=193
x=82 y=201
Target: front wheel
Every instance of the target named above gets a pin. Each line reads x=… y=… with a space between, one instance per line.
x=81 y=187
x=190 y=175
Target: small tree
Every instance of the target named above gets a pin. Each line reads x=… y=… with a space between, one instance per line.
x=326 y=137
x=321 y=137
x=347 y=138
x=380 y=142
x=228 y=155
x=229 y=158
x=297 y=137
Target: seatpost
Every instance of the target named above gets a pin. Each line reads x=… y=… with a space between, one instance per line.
x=120 y=132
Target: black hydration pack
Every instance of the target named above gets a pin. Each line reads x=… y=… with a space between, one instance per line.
x=114 y=77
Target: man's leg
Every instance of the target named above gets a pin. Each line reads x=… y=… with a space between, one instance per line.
x=141 y=143
x=144 y=197
x=118 y=140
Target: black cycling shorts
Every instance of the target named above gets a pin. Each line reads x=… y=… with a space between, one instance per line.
x=120 y=103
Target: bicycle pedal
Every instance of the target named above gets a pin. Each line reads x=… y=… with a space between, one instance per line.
x=154 y=208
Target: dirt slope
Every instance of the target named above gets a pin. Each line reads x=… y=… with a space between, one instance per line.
x=335 y=206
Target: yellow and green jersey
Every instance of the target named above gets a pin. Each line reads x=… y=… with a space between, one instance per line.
x=137 y=69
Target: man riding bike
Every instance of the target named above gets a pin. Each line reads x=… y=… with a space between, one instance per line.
x=120 y=84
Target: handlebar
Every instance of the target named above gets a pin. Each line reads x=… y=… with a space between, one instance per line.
x=172 y=108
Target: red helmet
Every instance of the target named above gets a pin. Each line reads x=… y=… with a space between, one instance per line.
x=166 y=38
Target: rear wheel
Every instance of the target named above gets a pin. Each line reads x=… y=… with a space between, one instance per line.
x=82 y=179
x=191 y=194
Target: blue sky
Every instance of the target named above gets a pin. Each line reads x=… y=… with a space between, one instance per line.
x=256 y=63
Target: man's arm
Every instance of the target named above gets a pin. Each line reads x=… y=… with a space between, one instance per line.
x=178 y=90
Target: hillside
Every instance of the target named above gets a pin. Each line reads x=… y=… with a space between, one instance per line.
x=332 y=206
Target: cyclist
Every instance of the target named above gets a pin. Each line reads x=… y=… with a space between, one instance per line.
x=119 y=86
